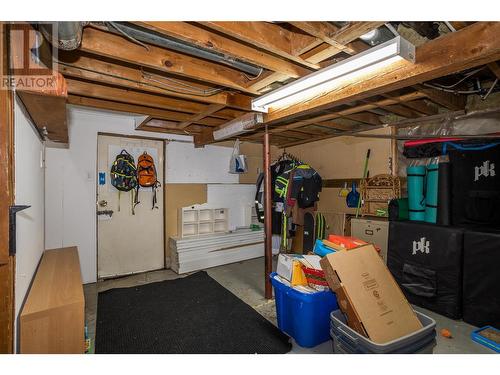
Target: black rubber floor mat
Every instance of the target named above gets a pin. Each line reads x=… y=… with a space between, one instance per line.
x=192 y=315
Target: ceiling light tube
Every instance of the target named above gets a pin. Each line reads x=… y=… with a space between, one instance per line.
x=333 y=76
x=238 y=126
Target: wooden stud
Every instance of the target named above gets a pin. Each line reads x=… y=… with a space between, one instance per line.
x=7 y=262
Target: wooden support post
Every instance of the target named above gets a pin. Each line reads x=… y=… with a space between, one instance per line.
x=268 y=247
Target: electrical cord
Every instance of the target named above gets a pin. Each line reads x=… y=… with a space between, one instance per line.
x=131 y=38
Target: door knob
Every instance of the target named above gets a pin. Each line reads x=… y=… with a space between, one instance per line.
x=103 y=203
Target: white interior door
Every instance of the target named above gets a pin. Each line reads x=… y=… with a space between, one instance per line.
x=128 y=243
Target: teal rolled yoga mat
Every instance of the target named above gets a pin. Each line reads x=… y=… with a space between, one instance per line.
x=416 y=197
x=431 y=194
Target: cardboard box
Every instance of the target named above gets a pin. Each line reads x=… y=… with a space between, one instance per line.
x=368 y=294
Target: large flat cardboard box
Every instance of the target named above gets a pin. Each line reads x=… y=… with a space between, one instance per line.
x=368 y=294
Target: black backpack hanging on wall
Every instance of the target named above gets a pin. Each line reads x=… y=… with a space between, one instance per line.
x=124 y=175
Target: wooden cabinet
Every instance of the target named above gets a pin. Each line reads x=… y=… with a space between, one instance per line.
x=53 y=317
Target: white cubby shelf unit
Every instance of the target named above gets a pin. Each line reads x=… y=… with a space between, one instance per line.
x=195 y=221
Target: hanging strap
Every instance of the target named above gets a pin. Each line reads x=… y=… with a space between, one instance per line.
x=132 y=200
x=119 y=193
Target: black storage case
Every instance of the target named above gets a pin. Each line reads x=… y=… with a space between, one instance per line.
x=426 y=261
x=481 y=279
x=475 y=186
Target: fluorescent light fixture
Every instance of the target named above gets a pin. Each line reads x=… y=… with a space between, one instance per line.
x=238 y=126
x=335 y=75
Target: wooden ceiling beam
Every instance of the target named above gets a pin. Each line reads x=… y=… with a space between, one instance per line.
x=141 y=110
x=206 y=39
x=200 y=116
x=320 y=51
x=350 y=111
x=266 y=80
x=113 y=46
x=365 y=117
x=495 y=69
x=401 y=110
x=93 y=90
x=422 y=106
x=338 y=37
x=265 y=35
x=91 y=69
x=454 y=102
x=402 y=123
x=469 y=47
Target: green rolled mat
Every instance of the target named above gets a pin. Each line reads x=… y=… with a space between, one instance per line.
x=416 y=197
x=431 y=195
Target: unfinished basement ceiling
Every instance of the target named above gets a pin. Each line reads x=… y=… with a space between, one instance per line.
x=192 y=77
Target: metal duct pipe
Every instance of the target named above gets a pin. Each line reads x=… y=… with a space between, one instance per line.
x=64 y=35
x=151 y=37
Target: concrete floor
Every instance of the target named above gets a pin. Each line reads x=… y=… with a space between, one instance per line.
x=245 y=280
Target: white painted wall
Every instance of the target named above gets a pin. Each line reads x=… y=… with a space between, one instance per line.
x=235 y=197
x=187 y=164
x=71 y=178
x=29 y=190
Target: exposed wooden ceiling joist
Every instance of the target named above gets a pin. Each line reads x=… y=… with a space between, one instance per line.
x=318 y=51
x=204 y=38
x=402 y=123
x=91 y=69
x=448 y=100
x=495 y=68
x=207 y=112
x=346 y=112
x=106 y=44
x=141 y=110
x=264 y=35
x=93 y=90
x=469 y=47
x=338 y=37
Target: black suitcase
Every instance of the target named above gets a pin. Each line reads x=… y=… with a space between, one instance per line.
x=475 y=186
x=481 y=280
x=426 y=261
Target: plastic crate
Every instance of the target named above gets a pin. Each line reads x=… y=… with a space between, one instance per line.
x=303 y=316
x=340 y=346
x=477 y=337
x=406 y=344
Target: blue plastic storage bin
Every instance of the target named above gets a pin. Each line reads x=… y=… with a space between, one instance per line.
x=303 y=316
